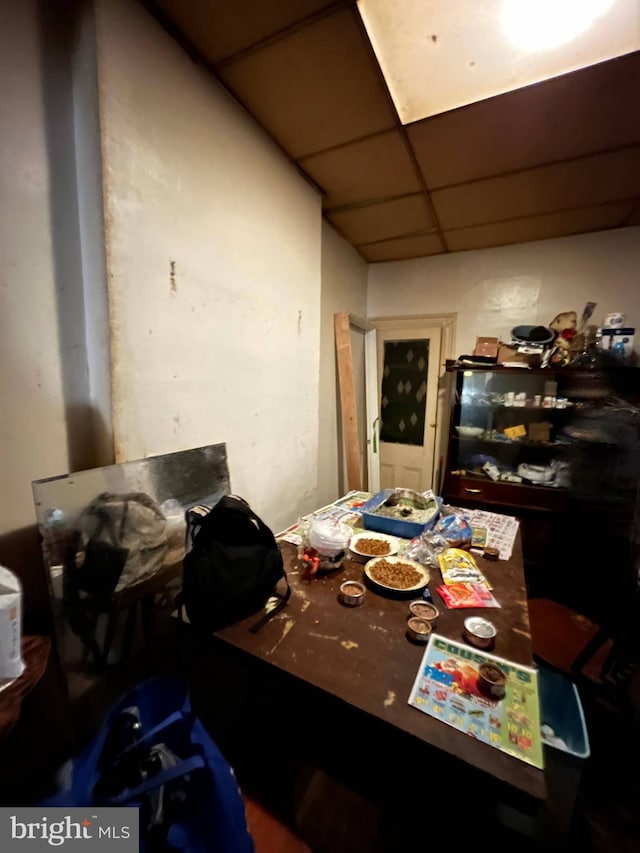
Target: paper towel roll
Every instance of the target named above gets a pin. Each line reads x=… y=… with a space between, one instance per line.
x=11 y=663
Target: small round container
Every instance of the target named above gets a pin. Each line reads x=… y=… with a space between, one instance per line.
x=352 y=593
x=425 y=610
x=479 y=632
x=491 y=554
x=418 y=629
x=492 y=681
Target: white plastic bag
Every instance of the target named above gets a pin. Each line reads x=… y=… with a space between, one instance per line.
x=11 y=663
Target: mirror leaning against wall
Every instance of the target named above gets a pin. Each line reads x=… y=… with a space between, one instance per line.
x=113 y=540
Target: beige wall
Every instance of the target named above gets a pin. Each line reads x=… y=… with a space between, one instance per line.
x=33 y=435
x=493 y=290
x=214 y=259
x=344 y=288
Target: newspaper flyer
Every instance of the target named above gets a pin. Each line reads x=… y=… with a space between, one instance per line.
x=449 y=686
x=501 y=530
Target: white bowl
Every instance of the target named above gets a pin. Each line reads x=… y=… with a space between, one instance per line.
x=535 y=473
x=422 y=571
x=391 y=541
x=470 y=431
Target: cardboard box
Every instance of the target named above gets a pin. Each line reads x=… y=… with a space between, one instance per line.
x=506 y=353
x=540 y=431
x=486 y=346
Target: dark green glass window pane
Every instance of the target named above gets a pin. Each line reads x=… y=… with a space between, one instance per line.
x=404 y=391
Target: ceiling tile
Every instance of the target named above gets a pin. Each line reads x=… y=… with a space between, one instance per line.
x=361 y=171
x=315 y=88
x=404 y=247
x=530 y=228
x=572 y=115
x=578 y=183
x=380 y=221
x=220 y=28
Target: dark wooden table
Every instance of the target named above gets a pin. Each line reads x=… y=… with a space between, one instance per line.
x=361 y=655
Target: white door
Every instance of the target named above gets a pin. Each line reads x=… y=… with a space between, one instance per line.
x=408 y=361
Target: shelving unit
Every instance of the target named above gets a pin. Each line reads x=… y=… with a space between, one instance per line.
x=476 y=399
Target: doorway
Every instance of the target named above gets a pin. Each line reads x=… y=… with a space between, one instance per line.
x=410 y=362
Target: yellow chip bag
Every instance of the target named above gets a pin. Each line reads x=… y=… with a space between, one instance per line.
x=457 y=566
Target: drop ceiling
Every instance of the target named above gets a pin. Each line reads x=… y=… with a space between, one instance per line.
x=555 y=158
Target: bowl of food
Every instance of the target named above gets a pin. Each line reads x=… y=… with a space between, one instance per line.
x=371 y=544
x=352 y=593
x=424 y=610
x=492 y=680
x=418 y=629
x=469 y=431
x=396 y=575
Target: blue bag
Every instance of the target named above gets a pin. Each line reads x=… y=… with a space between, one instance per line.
x=153 y=753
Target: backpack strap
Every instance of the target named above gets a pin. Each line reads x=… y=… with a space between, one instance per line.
x=278 y=607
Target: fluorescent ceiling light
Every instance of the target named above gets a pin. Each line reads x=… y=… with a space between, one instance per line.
x=545 y=24
x=437 y=55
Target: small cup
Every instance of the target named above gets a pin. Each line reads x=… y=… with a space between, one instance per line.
x=352 y=593
x=418 y=629
x=424 y=610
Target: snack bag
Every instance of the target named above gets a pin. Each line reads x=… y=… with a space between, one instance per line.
x=458 y=566
x=458 y=595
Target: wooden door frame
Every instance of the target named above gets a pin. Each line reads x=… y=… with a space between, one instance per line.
x=447 y=325
x=343 y=323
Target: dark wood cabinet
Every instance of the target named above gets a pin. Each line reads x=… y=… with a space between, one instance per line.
x=525 y=475
x=512 y=446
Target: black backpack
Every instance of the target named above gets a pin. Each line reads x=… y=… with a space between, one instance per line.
x=231 y=567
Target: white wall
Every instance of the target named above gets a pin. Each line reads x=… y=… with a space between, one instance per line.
x=225 y=349
x=33 y=440
x=494 y=290
x=344 y=288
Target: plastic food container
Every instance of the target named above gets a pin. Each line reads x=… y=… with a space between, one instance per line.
x=352 y=593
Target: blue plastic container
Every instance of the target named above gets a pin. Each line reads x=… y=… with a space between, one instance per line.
x=393 y=526
x=560 y=708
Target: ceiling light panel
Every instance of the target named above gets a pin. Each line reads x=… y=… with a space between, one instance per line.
x=437 y=55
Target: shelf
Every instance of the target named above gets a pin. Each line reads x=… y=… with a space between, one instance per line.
x=492 y=407
x=526 y=443
x=453 y=367
x=515 y=498
x=481 y=480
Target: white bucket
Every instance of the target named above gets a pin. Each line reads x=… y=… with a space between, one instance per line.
x=11 y=663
